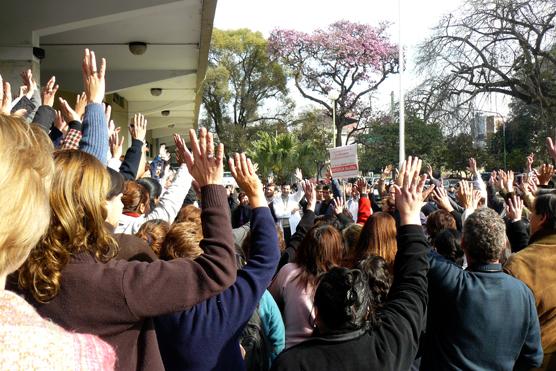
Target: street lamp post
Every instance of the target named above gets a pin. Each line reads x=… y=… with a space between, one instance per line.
x=333 y=95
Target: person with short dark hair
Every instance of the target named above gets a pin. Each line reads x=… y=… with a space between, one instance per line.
x=480 y=318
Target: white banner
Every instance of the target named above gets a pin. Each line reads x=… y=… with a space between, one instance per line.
x=344 y=162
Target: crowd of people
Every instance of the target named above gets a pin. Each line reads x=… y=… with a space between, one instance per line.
x=110 y=261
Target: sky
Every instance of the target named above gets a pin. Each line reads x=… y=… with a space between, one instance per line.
x=417 y=19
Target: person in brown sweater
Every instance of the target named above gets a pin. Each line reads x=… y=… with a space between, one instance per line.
x=71 y=278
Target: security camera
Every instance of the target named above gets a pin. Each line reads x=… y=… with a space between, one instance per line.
x=137 y=47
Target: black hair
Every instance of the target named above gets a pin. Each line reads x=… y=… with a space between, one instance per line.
x=328 y=220
x=153 y=187
x=116 y=184
x=545 y=205
x=448 y=244
x=379 y=279
x=342 y=300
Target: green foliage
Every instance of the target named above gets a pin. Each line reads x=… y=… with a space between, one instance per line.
x=279 y=155
x=240 y=78
x=381 y=143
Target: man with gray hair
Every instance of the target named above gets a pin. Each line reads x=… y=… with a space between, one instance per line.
x=480 y=318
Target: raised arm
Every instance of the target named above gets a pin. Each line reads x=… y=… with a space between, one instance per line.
x=95 y=127
x=404 y=312
x=130 y=165
x=171 y=201
x=297 y=196
x=190 y=282
x=264 y=253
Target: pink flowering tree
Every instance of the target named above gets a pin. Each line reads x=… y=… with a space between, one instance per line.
x=350 y=58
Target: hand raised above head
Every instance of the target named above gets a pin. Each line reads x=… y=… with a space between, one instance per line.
x=310 y=194
x=138 y=127
x=116 y=144
x=49 y=92
x=203 y=163
x=67 y=112
x=409 y=196
x=93 y=78
x=244 y=173
x=5 y=97
x=514 y=208
x=80 y=104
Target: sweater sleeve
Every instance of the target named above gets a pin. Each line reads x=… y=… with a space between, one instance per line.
x=241 y=299
x=273 y=325
x=403 y=315
x=130 y=164
x=95 y=133
x=56 y=136
x=185 y=282
x=45 y=117
x=172 y=200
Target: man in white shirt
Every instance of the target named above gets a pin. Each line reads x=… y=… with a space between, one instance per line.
x=286 y=207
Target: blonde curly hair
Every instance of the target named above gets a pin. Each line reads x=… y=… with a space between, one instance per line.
x=78 y=203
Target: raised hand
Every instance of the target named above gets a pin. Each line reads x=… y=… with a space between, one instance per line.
x=93 y=78
x=409 y=196
x=529 y=162
x=362 y=186
x=310 y=194
x=465 y=194
x=49 y=92
x=298 y=175
x=545 y=173
x=67 y=112
x=442 y=200
x=243 y=171
x=116 y=144
x=5 y=97
x=514 y=208
x=429 y=171
x=338 y=204
x=80 y=104
x=386 y=172
x=509 y=181
x=550 y=145
x=203 y=164
x=60 y=123
x=472 y=165
x=30 y=85
x=138 y=127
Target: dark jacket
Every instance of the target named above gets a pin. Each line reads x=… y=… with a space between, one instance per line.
x=115 y=300
x=206 y=336
x=241 y=215
x=307 y=221
x=132 y=159
x=392 y=344
x=45 y=117
x=480 y=319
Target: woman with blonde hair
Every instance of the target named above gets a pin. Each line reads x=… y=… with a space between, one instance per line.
x=70 y=277
x=378 y=237
x=28 y=341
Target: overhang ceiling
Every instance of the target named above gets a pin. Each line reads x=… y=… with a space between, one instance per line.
x=177 y=34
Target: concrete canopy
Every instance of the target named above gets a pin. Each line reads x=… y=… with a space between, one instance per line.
x=177 y=34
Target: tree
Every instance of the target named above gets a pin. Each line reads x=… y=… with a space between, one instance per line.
x=350 y=58
x=491 y=46
x=241 y=77
x=380 y=143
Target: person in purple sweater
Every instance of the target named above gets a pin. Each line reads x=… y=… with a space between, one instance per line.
x=206 y=337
